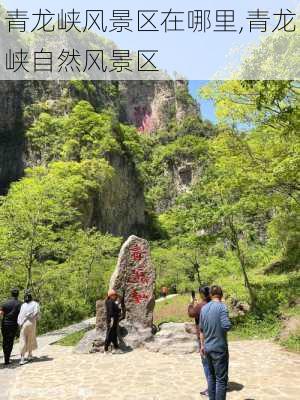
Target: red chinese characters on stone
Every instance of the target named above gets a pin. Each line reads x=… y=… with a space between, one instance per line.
x=139 y=297
x=138 y=276
x=136 y=252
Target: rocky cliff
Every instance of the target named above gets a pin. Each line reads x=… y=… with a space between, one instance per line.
x=120 y=209
x=149 y=105
x=11 y=133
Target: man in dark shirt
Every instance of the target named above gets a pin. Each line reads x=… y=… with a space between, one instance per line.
x=112 y=321
x=214 y=325
x=194 y=311
x=9 y=327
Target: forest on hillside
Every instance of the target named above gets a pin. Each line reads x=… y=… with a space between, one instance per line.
x=221 y=201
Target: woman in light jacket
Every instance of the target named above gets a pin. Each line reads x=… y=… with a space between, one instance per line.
x=29 y=313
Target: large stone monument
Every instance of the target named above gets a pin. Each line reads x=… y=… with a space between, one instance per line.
x=133 y=279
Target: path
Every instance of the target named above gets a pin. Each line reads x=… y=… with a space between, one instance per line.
x=259 y=370
x=55 y=336
x=170 y=296
x=44 y=341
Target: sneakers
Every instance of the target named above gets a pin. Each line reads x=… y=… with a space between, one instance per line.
x=204 y=392
x=22 y=362
x=117 y=351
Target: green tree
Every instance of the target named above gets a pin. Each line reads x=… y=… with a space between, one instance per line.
x=41 y=212
x=81 y=134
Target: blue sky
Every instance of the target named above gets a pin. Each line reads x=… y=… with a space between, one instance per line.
x=206 y=106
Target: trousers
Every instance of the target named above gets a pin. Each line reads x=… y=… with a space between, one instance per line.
x=8 y=334
x=111 y=337
x=217 y=374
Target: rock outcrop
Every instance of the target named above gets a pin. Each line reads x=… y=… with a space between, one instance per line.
x=11 y=133
x=149 y=105
x=120 y=208
x=180 y=176
x=291 y=327
x=174 y=338
x=133 y=280
x=238 y=308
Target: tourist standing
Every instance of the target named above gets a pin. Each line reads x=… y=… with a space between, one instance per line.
x=29 y=314
x=112 y=321
x=9 y=327
x=164 y=291
x=214 y=325
x=194 y=310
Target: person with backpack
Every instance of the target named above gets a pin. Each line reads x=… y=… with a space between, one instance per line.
x=9 y=327
x=194 y=311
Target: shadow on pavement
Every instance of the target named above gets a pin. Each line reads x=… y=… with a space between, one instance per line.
x=235 y=387
x=41 y=359
x=15 y=363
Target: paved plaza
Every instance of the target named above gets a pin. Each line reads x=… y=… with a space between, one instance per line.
x=259 y=370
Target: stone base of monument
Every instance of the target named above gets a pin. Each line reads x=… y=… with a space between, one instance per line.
x=130 y=337
x=131 y=334
x=133 y=279
x=174 y=338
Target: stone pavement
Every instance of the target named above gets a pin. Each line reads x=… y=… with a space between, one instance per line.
x=259 y=370
x=8 y=375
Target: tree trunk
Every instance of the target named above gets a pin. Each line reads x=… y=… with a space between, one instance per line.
x=29 y=278
x=197 y=267
x=89 y=270
x=241 y=258
x=246 y=279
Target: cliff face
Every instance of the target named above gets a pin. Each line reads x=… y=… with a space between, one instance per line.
x=120 y=209
x=11 y=133
x=149 y=105
x=179 y=176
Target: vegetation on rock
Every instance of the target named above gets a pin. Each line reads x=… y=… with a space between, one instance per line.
x=222 y=203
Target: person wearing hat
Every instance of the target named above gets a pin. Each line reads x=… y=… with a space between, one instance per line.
x=29 y=314
x=112 y=321
x=9 y=327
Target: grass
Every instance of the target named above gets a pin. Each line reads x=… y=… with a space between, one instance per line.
x=292 y=343
x=252 y=329
x=175 y=310
x=172 y=310
x=73 y=339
